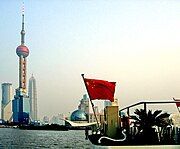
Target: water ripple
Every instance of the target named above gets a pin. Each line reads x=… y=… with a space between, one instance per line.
x=34 y=139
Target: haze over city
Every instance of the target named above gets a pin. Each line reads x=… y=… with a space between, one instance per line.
x=134 y=43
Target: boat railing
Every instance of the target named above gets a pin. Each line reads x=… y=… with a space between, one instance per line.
x=145 y=105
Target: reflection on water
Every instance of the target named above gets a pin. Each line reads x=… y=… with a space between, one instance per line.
x=15 y=138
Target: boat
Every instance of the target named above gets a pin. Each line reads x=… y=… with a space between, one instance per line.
x=144 y=128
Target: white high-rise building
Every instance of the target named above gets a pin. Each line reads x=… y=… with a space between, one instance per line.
x=33 y=98
x=6 y=103
x=84 y=104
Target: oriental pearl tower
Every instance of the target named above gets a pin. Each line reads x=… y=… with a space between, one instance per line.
x=22 y=51
x=21 y=106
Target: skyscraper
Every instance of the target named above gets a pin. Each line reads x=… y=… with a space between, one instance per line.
x=6 y=104
x=33 y=98
x=84 y=104
x=21 y=107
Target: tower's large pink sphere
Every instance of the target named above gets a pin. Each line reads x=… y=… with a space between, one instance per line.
x=22 y=51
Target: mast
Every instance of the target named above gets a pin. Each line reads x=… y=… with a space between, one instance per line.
x=98 y=126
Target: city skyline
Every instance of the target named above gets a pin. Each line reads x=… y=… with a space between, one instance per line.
x=134 y=43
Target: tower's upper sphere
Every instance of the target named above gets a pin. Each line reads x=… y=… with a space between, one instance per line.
x=22 y=51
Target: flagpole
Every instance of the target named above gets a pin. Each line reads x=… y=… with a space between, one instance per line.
x=90 y=101
x=176 y=105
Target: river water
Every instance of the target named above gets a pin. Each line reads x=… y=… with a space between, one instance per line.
x=15 y=138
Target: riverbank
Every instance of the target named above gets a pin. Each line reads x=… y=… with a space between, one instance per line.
x=45 y=127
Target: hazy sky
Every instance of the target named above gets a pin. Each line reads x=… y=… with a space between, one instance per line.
x=133 y=42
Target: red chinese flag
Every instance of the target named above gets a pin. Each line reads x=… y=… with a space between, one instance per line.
x=100 y=89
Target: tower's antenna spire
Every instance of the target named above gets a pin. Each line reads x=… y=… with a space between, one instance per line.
x=22 y=31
